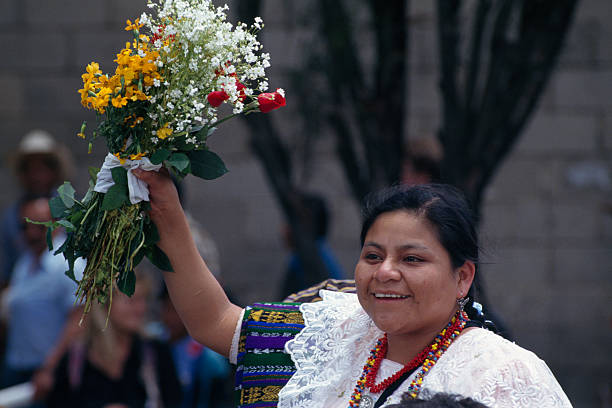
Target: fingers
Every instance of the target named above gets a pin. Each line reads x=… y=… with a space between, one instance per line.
x=152 y=177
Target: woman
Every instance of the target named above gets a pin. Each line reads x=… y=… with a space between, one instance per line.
x=406 y=329
x=115 y=367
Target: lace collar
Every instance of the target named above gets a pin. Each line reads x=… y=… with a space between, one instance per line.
x=329 y=352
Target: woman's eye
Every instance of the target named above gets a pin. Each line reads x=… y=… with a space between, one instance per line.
x=372 y=257
x=412 y=258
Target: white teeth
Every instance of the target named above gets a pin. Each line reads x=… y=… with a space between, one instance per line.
x=389 y=295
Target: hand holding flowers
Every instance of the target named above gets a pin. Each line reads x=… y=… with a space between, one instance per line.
x=157 y=109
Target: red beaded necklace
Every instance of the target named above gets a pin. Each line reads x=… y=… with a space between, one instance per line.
x=427 y=357
x=415 y=362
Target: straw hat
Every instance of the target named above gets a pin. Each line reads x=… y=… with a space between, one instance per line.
x=40 y=143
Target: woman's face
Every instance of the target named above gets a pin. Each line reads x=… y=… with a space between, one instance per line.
x=405 y=280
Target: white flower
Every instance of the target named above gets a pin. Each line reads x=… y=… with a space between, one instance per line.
x=156 y=83
x=154 y=140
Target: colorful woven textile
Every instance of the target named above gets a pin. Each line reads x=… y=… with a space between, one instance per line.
x=312 y=293
x=263 y=366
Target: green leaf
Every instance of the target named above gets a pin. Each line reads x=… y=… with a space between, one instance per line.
x=159 y=259
x=115 y=197
x=66 y=224
x=89 y=193
x=57 y=207
x=71 y=258
x=179 y=160
x=127 y=282
x=206 y=164
x=93 y=173
x=66 y=194
x=159 y=156
x=119 y=175
x=151 y=233
x=181 y=144
x=49 y=239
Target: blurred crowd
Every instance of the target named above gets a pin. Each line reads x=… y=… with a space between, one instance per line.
x=138 y=354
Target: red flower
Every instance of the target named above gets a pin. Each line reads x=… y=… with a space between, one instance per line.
x=216 y=98
x=240 y=88
x=271 y=100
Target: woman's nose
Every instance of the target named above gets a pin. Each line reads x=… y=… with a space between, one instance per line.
x=387 y=270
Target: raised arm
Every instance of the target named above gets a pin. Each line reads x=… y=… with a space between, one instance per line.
x=198 y=298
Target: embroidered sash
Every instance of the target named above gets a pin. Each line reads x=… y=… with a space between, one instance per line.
x=263 y=366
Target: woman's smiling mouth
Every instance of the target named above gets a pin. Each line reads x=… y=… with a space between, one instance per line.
x=389 y=296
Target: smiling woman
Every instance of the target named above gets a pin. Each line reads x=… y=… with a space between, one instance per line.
x=410 y=327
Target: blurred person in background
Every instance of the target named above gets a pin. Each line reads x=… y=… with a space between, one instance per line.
x=41 y=165
x=114 y=364
x=421 y=164
x=313 y=209
x=39 y=302
x=205 y=376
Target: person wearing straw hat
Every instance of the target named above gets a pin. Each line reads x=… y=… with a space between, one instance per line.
x=40 y=165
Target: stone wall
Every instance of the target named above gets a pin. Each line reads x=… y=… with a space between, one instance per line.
x=547 y=227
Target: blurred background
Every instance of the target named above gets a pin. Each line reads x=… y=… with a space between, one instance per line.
x=509 y=100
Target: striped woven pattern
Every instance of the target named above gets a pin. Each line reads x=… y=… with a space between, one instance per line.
x=312 y=293
x=263 y=366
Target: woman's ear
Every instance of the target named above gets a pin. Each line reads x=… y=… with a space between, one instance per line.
x=465 y=277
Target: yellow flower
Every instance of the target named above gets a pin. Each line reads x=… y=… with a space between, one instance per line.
x=137 y=121
x=93 y=68
x=119 y=102
x=164 y=132
x=121 y=159
x=81 y=135
x=131 y=26
x=137 y=156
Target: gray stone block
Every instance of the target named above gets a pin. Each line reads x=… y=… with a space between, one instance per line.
x=33 y=51
x=99 y=46
x=578 y=221
x=424 y=93
x=528 y=219
x=9 y=15
x=547 y=133
x=423 y=48
x=11 y=97
x=64 y=12
x=607 y=132
x=53 y=94
x=121 y=10
x=581 y=48
x=583 y=89
x=584 y=266
x=522 y=175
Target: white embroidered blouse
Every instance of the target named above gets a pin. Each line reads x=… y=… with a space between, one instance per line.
x=329 y=354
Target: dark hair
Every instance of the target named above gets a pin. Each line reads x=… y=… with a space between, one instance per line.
x=439 y=400
x=444 y=207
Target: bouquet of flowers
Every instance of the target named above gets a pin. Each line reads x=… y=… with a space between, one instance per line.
x=158 y=108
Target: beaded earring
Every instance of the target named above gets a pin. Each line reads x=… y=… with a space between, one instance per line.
x=462 y=302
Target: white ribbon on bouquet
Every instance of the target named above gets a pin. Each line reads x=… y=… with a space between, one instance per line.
x=138 y=189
